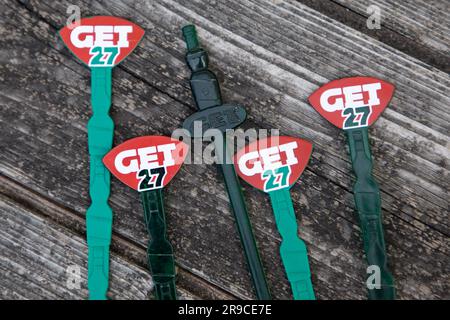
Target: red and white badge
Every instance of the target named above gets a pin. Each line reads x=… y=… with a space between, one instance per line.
x=273 y=163
x=102 y=41
x=146 y=163
x=352 y=102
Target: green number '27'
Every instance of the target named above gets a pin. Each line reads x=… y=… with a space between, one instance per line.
x=100 y=52
x=351 y=114
x=272 y=183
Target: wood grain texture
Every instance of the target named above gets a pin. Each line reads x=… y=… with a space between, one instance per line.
x=417 y=28
x=36 y=255
x=269 y=56
x=189 y=286
x=426 y=21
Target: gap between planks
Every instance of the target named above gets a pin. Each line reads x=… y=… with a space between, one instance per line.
x=387 y=34
x=128 y=250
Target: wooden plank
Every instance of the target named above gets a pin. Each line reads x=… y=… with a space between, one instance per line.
x=189 y=286
x=273 y=81
x=36 y=255
x=405 y=25
x=412 y=19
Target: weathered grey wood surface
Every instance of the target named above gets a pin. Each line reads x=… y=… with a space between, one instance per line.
x=427 y=22
x=269 y=56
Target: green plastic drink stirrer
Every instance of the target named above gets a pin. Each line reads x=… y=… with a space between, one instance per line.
x=147 y=164
x=101 y=42
x=213 y=114
x=353 y=104
x=273 y=165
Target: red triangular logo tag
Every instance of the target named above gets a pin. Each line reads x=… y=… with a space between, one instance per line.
x=352 y=102
x=102 y=41
x=273 y=163
x=146 y=163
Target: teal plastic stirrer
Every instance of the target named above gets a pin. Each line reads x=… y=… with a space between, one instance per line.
x=101 y=42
